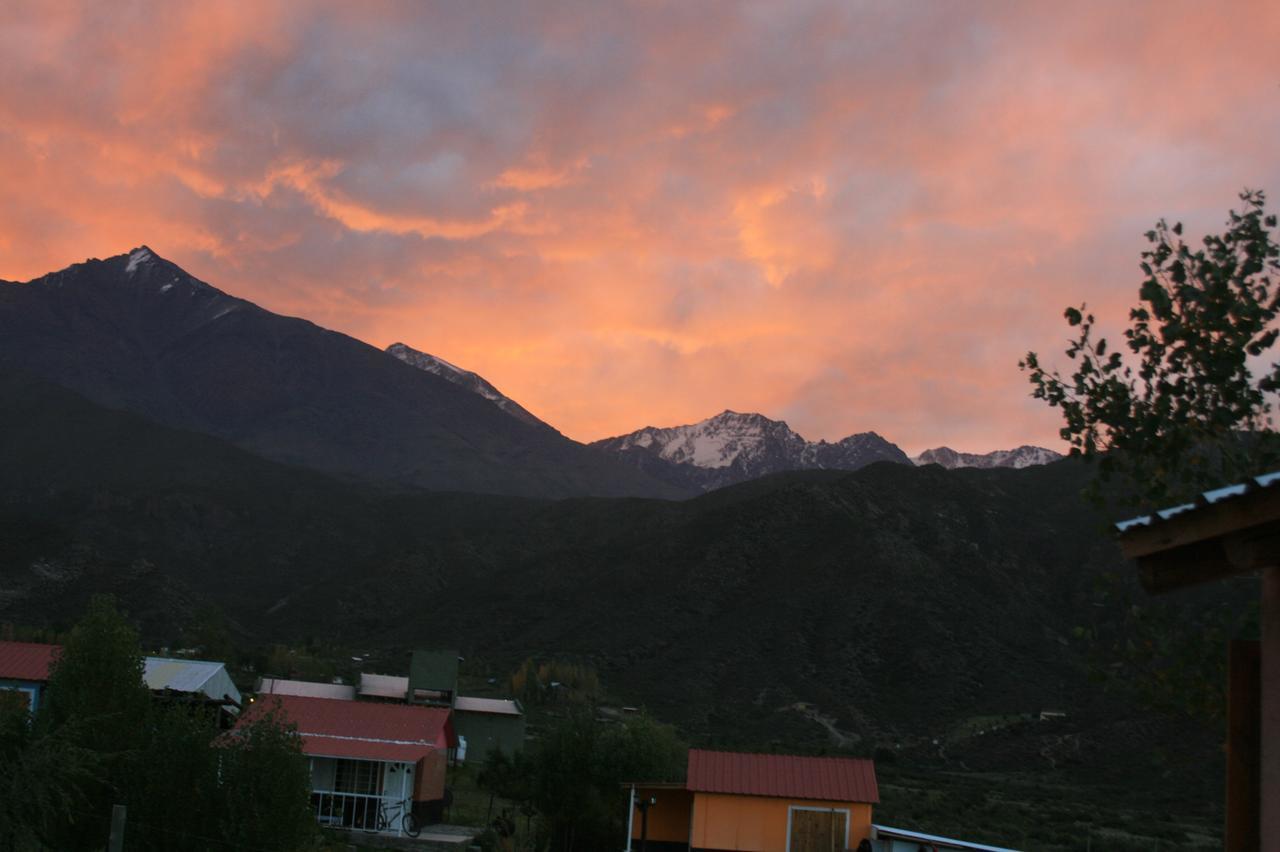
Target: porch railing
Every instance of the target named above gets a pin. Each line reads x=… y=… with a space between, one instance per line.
x=359 y=811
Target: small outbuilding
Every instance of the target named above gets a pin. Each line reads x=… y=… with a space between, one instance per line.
x=758 y=802
x=487 y=724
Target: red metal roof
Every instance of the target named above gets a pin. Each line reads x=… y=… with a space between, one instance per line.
x=332 y=727
x=836 y=779
x=27 y=660
x=364 y=749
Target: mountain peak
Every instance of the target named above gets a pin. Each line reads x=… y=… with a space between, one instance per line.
x=735 y=446
x=140 y=255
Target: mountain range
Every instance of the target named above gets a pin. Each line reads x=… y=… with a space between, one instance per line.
x=1024 y=456
x=137 y=332
x=181 y=448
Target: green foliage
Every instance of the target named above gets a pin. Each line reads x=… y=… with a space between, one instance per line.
x=43 y=778
x=266 y=784
x=97 y=681
x=102 y=740
x=97 y=701
x=1190 y=413
x=578 y=768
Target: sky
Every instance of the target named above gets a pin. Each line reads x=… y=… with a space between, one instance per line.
x=848 y=215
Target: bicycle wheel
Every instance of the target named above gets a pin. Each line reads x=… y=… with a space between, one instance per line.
x=410 y=825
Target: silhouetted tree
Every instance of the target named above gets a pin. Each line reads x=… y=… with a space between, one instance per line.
x=1186 y=411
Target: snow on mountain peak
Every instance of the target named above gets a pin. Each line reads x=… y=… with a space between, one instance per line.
x=140 y=255
x=473 y=382
x=1024 y=456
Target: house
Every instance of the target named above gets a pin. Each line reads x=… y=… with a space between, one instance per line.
x=758 y=802
x=24 y=666
x=371 y=763
x=1225 y=533
x=196 y=682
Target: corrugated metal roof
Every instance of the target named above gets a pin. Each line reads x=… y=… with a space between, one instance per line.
x=1208 y=498
x=383 y=686
x=280 y=686
x=27 y=660
x=837 y=779
x=369 y=731
x=500 y=706
x=178 y=675
x=364 y=749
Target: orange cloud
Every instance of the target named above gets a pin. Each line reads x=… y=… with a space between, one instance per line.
x=850 y=217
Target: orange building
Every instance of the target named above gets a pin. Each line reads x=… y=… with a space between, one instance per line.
x=757 y=803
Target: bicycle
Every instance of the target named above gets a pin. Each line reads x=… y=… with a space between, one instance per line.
x=391 y=815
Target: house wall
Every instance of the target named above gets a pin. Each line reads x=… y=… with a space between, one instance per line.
x=33 y=689
x=487 y=731
x=669 y=819
x=429 y=778
x=758 y=823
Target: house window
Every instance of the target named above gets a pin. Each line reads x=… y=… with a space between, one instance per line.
x=28 y=693
x=358 y=776
x=817 y=829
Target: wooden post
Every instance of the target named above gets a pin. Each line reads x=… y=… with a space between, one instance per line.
x=1244 y=742
x=115 y=842
x=1269 y=678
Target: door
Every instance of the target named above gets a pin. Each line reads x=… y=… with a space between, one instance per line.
x=817 y=830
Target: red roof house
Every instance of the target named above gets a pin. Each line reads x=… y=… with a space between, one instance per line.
x=367 y=759
x=759 y=802
x=24 y=666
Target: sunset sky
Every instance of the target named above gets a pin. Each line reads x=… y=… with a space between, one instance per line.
x=849 y=215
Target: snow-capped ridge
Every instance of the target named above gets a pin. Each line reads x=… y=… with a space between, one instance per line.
x=735 y=446
x=473 y=382
x=1018 y=458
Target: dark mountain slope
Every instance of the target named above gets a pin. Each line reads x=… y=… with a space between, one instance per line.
x=137 y=332
x=892 y=599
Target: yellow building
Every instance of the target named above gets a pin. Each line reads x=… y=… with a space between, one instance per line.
x=757 y=803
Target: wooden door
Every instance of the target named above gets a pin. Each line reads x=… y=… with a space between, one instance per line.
x=817 y=830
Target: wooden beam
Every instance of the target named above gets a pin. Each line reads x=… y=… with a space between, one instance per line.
x=1184 y=566
x=1243 y=552
x=1233 y=514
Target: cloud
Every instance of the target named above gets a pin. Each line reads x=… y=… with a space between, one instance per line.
x=852 y=216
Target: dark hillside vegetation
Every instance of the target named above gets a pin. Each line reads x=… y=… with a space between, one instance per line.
x=923 y=615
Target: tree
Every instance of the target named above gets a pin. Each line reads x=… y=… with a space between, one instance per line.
x=1181 y=413
x=266 y=786
x=44 y=774
x=1190 y=413
x=97 y=702
x=578 y=769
